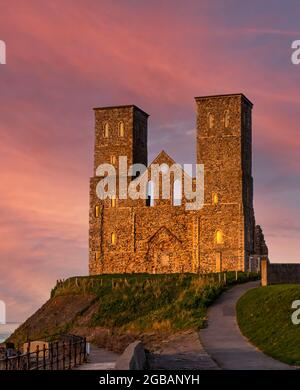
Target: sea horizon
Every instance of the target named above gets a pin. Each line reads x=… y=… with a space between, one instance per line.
x=7 y=329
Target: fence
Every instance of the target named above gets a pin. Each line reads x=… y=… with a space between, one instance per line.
x=60 y=355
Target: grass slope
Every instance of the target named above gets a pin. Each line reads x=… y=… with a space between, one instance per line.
x=131 y=304
x=149 y=302
x=264 y=317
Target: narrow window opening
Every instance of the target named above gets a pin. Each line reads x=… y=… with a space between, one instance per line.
x=177 y=193
x=113 y=238
x=215 y=199
x=150 y=194
x=113 y=160
x=121 y=129
x=219 y=237
x=211 y=121
x=226 y=118
x=106 y=130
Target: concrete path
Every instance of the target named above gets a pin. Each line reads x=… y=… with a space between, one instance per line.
x=99 y=359
x=182 y=351
x=224 y=342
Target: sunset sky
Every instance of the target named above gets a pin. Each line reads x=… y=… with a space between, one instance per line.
x=66 y=57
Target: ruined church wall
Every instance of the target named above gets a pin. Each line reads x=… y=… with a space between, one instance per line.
x=145 y=236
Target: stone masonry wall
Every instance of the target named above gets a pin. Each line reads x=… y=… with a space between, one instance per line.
x=133 y=237
x=279 y=273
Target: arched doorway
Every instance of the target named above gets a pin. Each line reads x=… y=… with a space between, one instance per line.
x=163 y=252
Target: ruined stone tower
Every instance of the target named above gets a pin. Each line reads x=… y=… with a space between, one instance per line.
x=224 y=146
x=120 y=131
x=133 y=236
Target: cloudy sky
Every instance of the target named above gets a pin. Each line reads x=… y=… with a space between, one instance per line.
x=65 y=57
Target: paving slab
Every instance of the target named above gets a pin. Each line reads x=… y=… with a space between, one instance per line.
x=182 y=351
x=99 y=359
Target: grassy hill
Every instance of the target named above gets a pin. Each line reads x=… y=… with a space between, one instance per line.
x=264 y=316
x=112 y=310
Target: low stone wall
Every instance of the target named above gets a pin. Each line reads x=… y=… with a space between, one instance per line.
x=280 y=273
x=133 y=358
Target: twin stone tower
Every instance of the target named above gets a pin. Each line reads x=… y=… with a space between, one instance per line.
x=161 y=236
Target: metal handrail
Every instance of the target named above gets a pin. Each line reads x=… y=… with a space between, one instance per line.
x=59 y=355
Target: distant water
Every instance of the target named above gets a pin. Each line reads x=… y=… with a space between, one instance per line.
x=6 y=330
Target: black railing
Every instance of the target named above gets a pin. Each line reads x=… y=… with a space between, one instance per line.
x=65 y=354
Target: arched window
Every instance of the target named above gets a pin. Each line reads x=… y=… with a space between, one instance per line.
x=164 y=168
x=97 y=211
x=121 y=129
x=113 y=238
x=150 y=193
x=106 y=130
x=226 y=118
x=177 y=193
x=113 y=201
x=211 y=120
x=219 y=237
x=215 y=199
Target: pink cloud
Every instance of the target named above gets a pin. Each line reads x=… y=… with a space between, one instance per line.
x=63 y=59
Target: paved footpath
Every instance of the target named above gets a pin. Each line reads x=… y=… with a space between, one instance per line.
x=224 y=342
x=99 y=359
x=182 y=351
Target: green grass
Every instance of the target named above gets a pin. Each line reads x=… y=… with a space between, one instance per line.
x=106 y=308
x=143 y=302
x=264 y=316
